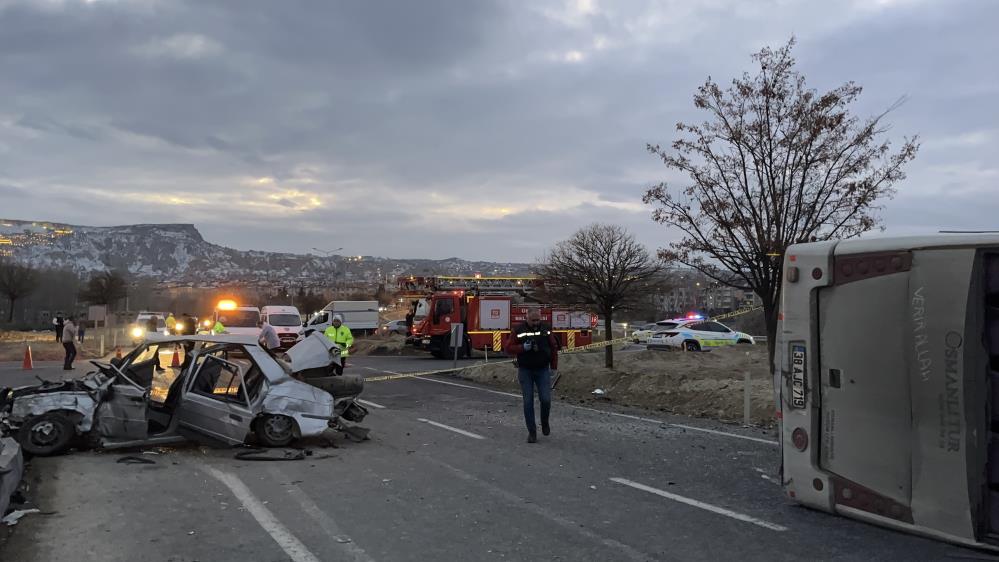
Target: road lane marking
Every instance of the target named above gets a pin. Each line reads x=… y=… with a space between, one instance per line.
x=281 y=535
x=472 y=387
x=370 y=403
x=523 y=504
x=351 y=552
x=627 y=416
x=701 y=505
x=616 y=414
x=679 y=425
x=454 y=429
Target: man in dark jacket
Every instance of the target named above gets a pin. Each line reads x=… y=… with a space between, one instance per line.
x=536 y=349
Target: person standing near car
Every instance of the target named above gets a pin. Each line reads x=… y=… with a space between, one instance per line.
x=269 y=339
x=171 y=324
x=339 y=334
x=82 y=329
x=536 y=349
x=68 y=339
x=59 y=324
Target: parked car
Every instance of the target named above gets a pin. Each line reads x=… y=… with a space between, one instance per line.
x=642 y=333
x=140 y=328
x=395 y=327
x=695 y=335
x=227 y=389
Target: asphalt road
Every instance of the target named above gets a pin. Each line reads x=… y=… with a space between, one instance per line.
x=447 y=475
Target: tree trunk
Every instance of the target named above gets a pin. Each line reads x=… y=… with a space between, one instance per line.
x=10 y=313
x=608 y=335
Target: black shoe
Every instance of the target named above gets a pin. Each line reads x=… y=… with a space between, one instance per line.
x=160 y=370
x=545 y=428
x=532 y=437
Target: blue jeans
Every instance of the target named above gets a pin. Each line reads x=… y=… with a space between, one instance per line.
x=529 y=378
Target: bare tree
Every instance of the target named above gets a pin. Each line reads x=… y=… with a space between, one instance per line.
x=105 y=288
x=600 y=265
x=775 y=164
x=17 y=281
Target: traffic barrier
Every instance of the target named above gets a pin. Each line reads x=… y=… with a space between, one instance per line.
x=398 y=376
x=27 y=364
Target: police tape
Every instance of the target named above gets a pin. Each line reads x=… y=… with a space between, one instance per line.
x=397 y=376
x=735 y=313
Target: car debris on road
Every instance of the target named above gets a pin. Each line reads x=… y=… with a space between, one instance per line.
x=226 y=388
x=11 y=470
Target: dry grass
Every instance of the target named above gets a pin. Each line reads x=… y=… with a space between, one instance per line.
x=695 y=384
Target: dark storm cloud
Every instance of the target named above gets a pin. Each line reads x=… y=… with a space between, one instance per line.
x=439 y=128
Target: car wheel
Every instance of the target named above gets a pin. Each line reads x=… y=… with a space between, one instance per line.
x=275 y=431
x=691 y=345
x=746 y=342
x=46 y=435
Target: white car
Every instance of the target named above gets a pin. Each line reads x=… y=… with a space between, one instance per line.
x=641 y=335
x=696 y=335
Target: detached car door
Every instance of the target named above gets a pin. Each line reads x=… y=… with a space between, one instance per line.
x=215 y=402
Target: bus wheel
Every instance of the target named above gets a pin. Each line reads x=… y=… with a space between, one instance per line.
x=691 y=345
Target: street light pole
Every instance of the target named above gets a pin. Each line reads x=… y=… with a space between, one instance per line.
x=329 y=254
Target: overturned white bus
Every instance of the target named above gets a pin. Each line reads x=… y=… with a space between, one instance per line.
x=888 y=382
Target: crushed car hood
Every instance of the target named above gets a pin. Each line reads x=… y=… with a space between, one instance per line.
x=314 y=352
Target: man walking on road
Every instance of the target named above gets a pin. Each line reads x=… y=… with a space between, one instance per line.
x=536 y=348
x=340 y=334
x=68 y=337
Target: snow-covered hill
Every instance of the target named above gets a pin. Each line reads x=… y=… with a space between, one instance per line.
x=178 y=253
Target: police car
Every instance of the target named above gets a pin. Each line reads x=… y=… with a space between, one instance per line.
x=695 y=334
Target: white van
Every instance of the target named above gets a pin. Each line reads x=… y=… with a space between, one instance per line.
x=240 y=320
x=287 y=322
x=360 y=316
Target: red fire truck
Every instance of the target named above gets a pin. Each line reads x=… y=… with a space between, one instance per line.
x=488 y=319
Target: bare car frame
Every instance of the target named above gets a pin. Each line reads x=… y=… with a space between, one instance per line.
x=224 y=388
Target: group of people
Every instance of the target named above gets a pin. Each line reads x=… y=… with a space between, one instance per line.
x=60 y=329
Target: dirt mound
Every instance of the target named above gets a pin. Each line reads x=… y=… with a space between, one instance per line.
x=708 y=384
x=384 y=344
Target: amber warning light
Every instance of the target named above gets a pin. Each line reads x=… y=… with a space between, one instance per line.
x=226 y=304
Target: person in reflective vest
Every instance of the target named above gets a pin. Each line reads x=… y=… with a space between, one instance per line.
x=340 y=334
x=219 y=326
x=171 y=324
x=536 y=349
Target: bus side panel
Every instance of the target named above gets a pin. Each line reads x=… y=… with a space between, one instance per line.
x=865 y=421
x=937 y=312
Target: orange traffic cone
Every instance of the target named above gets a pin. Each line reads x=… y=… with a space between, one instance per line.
x=27 y=364
x=117 y=353
x=175 y=362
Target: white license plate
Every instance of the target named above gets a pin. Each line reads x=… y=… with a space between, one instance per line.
x=426 y=342
x=798 y=376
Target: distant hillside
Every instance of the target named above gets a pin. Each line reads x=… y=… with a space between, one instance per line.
x=177 y=253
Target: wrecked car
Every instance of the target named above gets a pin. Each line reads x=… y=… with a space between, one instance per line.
x=225 y=388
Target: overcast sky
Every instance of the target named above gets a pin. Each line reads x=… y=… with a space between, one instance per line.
x=478 y=129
